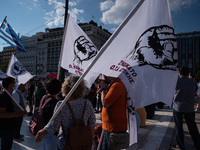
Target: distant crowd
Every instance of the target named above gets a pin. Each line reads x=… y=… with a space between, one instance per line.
x=106 y=96
x=31 y=96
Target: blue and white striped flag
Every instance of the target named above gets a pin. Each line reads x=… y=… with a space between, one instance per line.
x=9 y=35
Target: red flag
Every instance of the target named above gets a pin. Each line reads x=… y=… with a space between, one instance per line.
x=53 y=75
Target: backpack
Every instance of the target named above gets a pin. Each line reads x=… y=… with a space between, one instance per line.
x=37 y=122
x=79 y=136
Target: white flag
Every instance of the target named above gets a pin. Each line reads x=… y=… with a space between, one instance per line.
x=77 y=49
x=2 y=75
x=16 y=70
x=143 y=53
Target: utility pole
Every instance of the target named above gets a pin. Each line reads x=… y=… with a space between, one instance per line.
x=66 y=11
x=62 y=70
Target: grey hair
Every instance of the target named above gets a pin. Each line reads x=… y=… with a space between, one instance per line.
x=69 y=83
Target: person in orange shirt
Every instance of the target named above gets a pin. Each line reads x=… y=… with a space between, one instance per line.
x=113 y=97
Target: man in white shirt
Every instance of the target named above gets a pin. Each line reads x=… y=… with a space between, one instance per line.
x=18 y=95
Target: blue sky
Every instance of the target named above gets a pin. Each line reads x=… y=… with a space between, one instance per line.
x=30 y=16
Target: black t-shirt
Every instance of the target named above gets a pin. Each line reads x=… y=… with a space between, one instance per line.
x=49 y=108
x=31 y=90
x=6 y=102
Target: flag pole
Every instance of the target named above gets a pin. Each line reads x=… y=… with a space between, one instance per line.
x=61 y=53
x=12 y=98
x=8 y=92
x=65 y=22
x=101 y=140
x=3 y=22
x=97 y=57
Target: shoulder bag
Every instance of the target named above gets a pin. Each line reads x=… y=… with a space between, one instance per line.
x=117 y=140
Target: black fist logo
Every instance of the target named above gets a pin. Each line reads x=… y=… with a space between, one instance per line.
x=84 y=50
x=156 y=47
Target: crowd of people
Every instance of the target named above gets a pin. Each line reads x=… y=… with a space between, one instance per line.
x=29 y=96
x=106 y=96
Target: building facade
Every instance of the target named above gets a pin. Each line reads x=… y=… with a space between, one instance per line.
x=49 y=48
x=29 y=59
x=6 y=54
x=98 y=35
x=188 y=45
x=43 y=49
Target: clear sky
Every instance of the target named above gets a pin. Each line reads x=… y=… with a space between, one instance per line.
x=28 y=17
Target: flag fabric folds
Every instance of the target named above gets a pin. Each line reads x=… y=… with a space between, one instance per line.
x=143 y=54
x=2 y=74
x=16 y=70
x=77 y=49
x=9 y=35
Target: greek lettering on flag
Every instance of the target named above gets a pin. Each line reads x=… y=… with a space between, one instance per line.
x=16 y=70
x=143 y=53
x=9 y=35
x=77 y=49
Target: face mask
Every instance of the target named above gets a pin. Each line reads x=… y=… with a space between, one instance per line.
x=15 y=87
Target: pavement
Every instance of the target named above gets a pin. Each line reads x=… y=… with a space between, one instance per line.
x=158 y=134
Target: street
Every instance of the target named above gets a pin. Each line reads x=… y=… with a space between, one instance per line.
x=159 y=133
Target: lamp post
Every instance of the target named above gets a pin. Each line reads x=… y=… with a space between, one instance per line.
x=62 y=70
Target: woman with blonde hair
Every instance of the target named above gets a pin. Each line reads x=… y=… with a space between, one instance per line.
x=64 y=117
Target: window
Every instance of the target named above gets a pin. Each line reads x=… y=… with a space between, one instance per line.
x=89 y=29
x=190 y=63
x=183 y=46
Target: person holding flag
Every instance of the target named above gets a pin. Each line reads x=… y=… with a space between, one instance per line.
x=145 y=60
x=18 y=95
x=142 y=52
x=65 y=119
x=7 y=114
x=114 y=116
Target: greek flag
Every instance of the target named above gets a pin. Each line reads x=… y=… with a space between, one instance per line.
x=9 y=35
